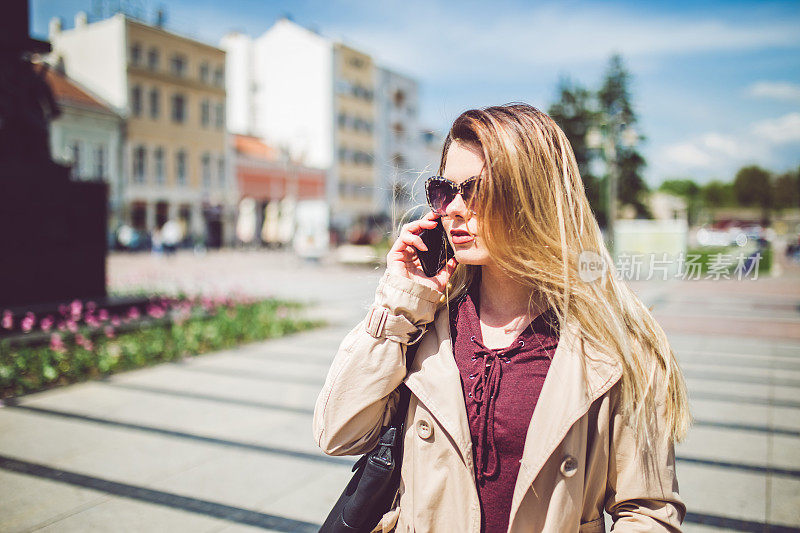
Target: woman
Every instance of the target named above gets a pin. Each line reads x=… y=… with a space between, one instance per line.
x=542 y=393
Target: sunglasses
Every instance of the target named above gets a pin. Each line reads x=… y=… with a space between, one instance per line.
x=441 y=191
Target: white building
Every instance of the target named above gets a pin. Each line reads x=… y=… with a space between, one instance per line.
x=87 y=136
x=399 y=162
x=332 y=108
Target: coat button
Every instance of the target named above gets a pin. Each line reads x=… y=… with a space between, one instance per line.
x=569 y=466
x=424 y=429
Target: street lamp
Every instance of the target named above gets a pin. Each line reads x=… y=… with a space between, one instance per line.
x=615 y=133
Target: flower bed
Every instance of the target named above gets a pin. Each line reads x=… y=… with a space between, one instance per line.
x=82 y=341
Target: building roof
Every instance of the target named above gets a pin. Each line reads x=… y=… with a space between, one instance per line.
x=253 y=147
x=70 y=93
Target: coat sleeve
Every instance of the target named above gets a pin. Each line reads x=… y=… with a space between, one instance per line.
x=642 y=494
x=359 y=394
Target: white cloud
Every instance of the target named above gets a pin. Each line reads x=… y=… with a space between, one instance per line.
x=709 y=152
x=431 y=40
x=687 y=155
x=783 y=130
x=717 y=154
x=777 y=90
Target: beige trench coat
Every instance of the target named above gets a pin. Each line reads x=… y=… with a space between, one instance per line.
x=579 y=457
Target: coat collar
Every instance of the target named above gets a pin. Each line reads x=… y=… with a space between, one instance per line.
x=567 y=393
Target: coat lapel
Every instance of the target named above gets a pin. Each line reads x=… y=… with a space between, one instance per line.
x=435 y=380
x=564 y=399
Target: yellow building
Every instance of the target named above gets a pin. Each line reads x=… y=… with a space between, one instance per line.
x=171 y=90
x=354 y=73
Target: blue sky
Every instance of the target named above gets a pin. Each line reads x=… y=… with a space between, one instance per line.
x=716 y=84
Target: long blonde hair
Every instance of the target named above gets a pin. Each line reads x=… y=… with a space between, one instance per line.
x=537 y=239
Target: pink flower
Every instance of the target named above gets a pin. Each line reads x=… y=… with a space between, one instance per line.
x=28 y=322
x=83 y=341
x=72 y=326
x=61 y=325
x=103 y=314
x=75 y=309
x=92 y=321
x=46 y=323
x=155 y=311
x=8 y=319
x=133 y=313
x=63 y=309
x=109 y=331
x=91 y=306
x=115 y=321
x=56 y=344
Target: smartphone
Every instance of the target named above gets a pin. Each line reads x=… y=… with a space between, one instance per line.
x=439 y=250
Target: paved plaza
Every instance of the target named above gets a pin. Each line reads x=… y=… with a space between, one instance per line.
x=223 y=442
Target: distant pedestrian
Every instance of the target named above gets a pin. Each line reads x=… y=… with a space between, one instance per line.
x=157 y=243
x=172 y=234
x=539 y=399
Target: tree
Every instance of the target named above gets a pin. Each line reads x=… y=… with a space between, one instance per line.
x=574 y=113
x=618 y=115
x=753 y=187
x=718 y=194
x=786 y=190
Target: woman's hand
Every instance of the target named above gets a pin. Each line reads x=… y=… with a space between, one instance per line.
x=402 y=258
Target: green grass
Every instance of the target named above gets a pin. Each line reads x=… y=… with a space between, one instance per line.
x=721 y=261
x=32 y=365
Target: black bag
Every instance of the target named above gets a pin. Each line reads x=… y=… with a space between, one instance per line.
x=373 y=487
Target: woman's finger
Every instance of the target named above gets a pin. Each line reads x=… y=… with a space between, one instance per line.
x=413 y=240
x=418 y=225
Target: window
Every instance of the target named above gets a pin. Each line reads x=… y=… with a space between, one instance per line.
x=205 y=113
x=155 y=103
x=139 y=215
x=206 y=166
x=342 y=120
x=153 y=59
x=343 y=87
x=361 y=92
x=162 y=213
x=220 y=116
x=219 y=76
x=399 y=131
x=158 y=163
x=180 y=167
x=178 y=65
x=136 y=54
x=399 y=98
x=136 y=101
x=178 y=108
x=356 y=62
x=221 y=171
x=204 y=72
x=75 y=155
x=100 y=162
x=139 y=164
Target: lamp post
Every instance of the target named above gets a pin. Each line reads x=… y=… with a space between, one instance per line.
x=614 y=133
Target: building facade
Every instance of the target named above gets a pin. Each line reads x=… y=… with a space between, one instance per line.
x=400 y=157
x=330 y=106
x=271 y=186
x=171 y=91
x=87 y=136
x=355 y=136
